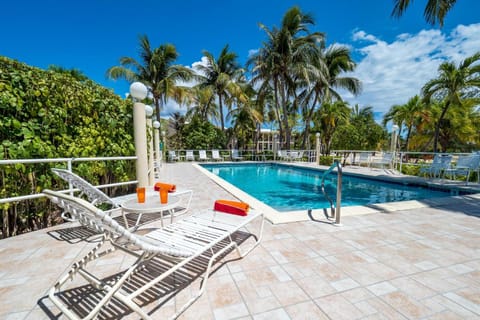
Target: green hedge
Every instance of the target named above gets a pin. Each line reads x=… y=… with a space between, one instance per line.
x=47 y=114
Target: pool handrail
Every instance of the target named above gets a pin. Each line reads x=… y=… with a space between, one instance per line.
x=335 y=210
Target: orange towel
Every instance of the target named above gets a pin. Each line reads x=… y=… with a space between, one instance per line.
x=233 y=207
x=169 y=187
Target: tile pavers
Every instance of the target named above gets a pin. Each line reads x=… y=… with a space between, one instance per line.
x=419 y=263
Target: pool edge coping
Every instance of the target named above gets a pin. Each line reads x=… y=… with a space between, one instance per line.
x=277 y=217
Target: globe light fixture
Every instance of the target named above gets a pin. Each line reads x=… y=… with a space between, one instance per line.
x=138 y=90
x=148 y=111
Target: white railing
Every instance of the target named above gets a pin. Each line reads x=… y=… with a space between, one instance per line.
x=69 y=162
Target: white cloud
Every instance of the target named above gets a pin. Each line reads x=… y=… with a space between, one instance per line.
x=392 y=73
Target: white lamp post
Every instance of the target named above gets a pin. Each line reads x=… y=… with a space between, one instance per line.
x=148 y=114
x=164 y=136
x=394 y=143
x=156 y=126
x=139 y=92
x=317 y=147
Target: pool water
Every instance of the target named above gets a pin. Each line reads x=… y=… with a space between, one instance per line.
x=289 y=188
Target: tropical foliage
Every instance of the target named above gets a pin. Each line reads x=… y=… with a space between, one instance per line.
x=50 y=114
x=435 y=10
x=157 y=71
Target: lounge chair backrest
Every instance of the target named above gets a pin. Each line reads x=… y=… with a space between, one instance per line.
x=445 y=161
x=93 y=194
x=215 y=154
x=92 y=217
x=468 y=162
x=202 y=154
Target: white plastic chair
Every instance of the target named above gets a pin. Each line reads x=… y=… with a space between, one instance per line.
x=189 y=155
x=216 y=155
x=204 y=236
x=236 y=155
x=172 y=156
x=441 y=162
x=202 y=155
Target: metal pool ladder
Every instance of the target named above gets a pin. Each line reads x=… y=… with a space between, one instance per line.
x=335 y=210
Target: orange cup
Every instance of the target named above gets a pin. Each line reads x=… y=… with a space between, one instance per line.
x=163 y=195
x=141 y=195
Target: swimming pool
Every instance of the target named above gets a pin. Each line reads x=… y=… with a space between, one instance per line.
x=290 y=188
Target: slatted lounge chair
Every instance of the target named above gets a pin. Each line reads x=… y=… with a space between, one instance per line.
x=216 y=155
x=172 y=156
x=202 y=155
x=296 y=155
x=206 y=235
x=282 y=155
x=96 y=197
x=363 y=158
x=386 y=160
x=189 y=156
x=441 y=162
x=236 y=155
x=464 y=166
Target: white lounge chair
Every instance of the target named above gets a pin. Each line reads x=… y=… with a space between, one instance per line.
x=363 y=158
x=172 y=156
x=441 y=162
x=386 y=160
x=202 y=155
x=96 y=197
x=236 y=155
x=189 y=156
x=296 y=155
x=205 y=236
x=282 y=155
x=216 y=155
x=465 y=166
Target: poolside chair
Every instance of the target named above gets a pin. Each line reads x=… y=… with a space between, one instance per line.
x=296 y=155
x=202 y=155
x=189 y=156
x=386 y=160
x=172 y=156
x=441 y=162
x=236 y=155
x=282 y=155
x=96 y=197
x=464 y=166
x=203 y=237
x=363 y=158
x=216 y=155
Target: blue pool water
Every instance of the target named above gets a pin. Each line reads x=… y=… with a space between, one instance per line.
x=288 y=188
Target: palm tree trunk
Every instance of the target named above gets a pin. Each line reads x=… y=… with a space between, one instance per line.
x=220 y=105
x=156 y=100
x=437 y=127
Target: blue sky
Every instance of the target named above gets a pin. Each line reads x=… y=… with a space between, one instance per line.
x=395 y=56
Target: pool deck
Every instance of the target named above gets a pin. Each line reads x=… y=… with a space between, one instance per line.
x=416 y=260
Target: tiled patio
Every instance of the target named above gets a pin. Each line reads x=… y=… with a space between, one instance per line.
x=411 y=264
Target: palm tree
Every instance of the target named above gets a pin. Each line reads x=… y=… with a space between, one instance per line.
x=453 y=85
x=328 y=75
x=222 y=76
x=203 y=104
x=406 y=115
x=283 y=60
x=157 y=71
x=328 y=118
x=435 y=10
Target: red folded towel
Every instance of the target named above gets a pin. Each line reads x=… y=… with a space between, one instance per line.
x=233 y=207
x=169 y=187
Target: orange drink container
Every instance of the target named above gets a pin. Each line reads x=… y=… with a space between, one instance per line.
x=163 y=195
x=141 y=195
